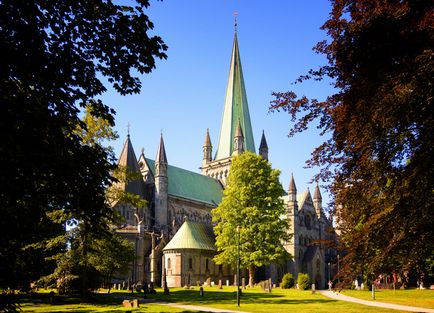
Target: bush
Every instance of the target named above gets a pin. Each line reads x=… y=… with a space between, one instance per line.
x=303 y=281
x=287 y=281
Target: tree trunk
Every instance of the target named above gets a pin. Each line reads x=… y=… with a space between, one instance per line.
x=252 y=269
x=84 y=255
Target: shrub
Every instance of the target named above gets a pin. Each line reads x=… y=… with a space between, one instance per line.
x=303 y=281
x=287 y=281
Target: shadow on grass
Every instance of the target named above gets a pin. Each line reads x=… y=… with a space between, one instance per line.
x=228 y=297
x=40 y=303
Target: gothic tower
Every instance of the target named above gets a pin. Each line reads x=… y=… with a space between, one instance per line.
x=161 y=187
x=263 y=147
x=207 y=150
x=238 y=141
x=317 y=201
x=235 y=121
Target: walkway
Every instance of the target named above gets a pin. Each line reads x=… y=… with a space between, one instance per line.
x=339 y=296
x=196 y=308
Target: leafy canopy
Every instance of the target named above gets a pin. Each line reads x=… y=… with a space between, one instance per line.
x=380 y=157
x=252 y=200
x=55 y=57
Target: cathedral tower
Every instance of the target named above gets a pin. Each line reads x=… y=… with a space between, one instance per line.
x=161 y=187
x=207 y=149
x=235 y=121
x=263 y=147
x=317 y=201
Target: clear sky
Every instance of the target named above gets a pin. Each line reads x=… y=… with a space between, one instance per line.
x=185 y=94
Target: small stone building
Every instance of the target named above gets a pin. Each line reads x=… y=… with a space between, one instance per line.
x=188 y=257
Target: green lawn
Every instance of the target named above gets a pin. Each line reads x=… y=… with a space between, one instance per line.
x=255 y=300
x=39 y=303
x=252 y=300
x=414 y=297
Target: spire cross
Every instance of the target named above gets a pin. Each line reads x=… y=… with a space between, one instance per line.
x=235 y=20
x=128 y=128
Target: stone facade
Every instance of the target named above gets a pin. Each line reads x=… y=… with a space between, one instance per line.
x=177 y=197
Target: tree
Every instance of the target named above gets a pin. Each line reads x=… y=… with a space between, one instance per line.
x=55 y=57
x=379 y=158
x=110 y=255
x=251 y=200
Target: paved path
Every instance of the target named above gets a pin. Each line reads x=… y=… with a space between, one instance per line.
x=197 y=308
x=339 y=296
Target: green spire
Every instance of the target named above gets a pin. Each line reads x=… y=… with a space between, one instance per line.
x=235 y=109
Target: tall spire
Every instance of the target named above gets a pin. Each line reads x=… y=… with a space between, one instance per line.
x=235 y=108
x=207 y=149
x=161 y=160
x=317 y=193
x=161 y=187
x=161 y=153
x=263 y=147
x=128 y=161
x=317 y=200
x=292 y=188
x=238 y=140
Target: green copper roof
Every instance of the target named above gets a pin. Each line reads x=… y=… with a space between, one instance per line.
x=236 y=108
x=192 y=235
x=191 y=185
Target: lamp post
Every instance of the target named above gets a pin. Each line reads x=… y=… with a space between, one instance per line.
x=338 y=271
x=329 y=270
x=238 y=265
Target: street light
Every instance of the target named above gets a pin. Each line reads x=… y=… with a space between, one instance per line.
x=238 y=266
x=329 y=270
x=338 y=271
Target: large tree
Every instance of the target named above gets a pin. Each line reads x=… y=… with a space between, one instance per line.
x=252 y=200
x=55 y=55
x=380 y=155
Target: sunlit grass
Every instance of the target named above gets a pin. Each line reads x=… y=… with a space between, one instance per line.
x=414 y=297
x=255 y=300
x=39 y=303
x=252 y=300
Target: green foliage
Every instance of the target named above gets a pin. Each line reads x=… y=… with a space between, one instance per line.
x=287 y=281
x=252 y=200
x=56 y=55
x=379 y=155
x=111 y=254
x=303 y=281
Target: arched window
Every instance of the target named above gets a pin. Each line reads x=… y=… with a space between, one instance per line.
x=169 y=264
x=207 y=264
x=190 y=263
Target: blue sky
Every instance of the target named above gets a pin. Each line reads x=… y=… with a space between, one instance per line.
x=184 y=95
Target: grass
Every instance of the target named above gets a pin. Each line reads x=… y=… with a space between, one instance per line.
x=413 y=297
x=255 y=300
x=252 y=300
x=39 y=303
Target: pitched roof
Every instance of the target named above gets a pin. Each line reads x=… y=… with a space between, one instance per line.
x=292 y=188
x=128 y=160
x=161 y=153
x=192 y=235
x=235 y=108
x=207 y=139
x=263 y=145
x=190 y=185
x=317 y=193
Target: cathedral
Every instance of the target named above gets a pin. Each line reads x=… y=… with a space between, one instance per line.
x=173 y=234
